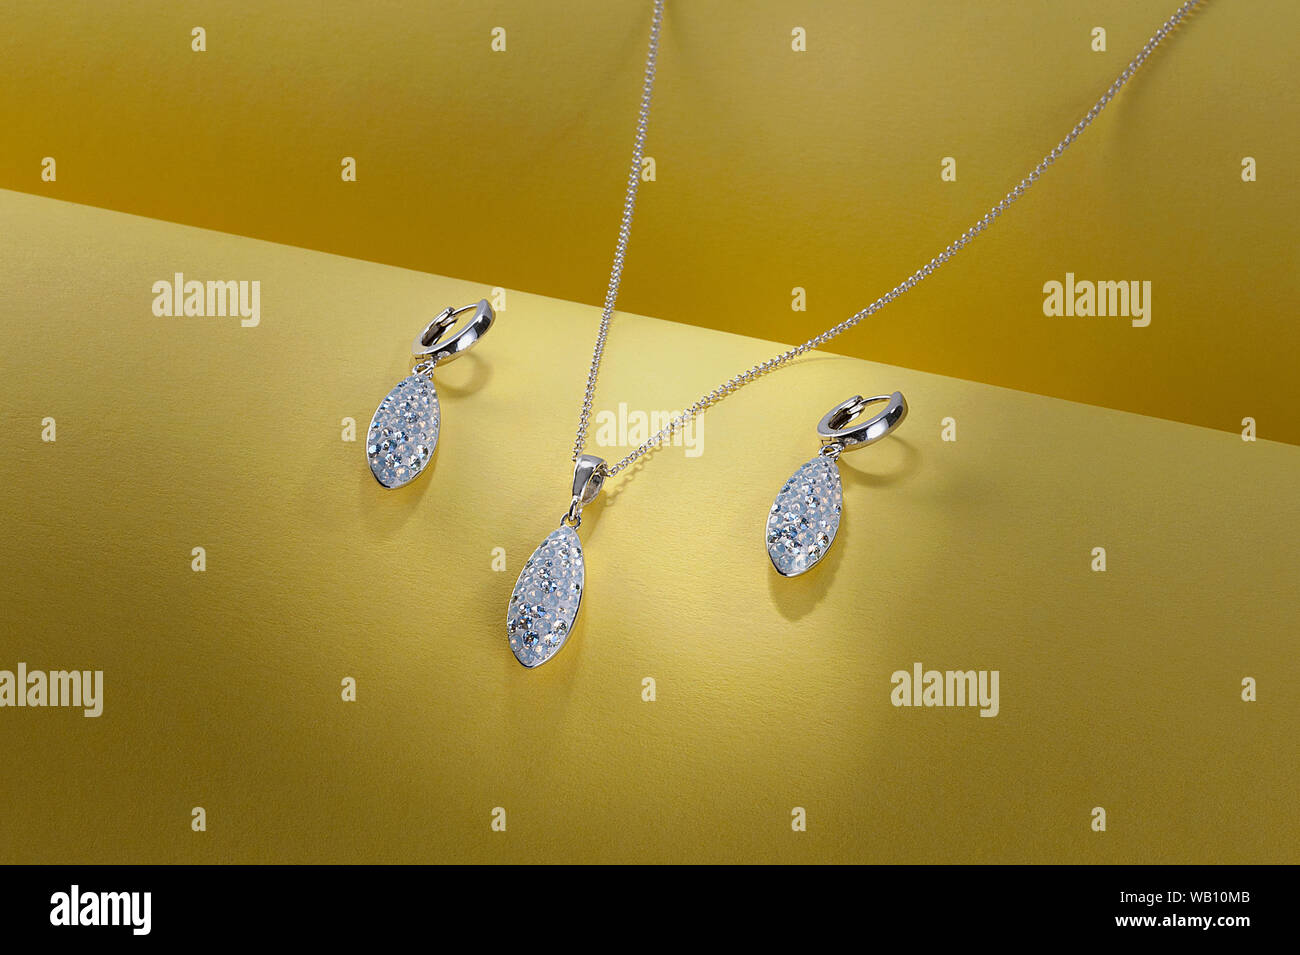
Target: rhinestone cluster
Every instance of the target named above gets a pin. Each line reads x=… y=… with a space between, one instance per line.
x=546 y=598
x=403 y=432
x=805 y=517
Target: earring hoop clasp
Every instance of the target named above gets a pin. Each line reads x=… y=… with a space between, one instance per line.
x=429 y=345
x=836 y=431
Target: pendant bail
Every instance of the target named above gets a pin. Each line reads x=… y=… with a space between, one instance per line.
x=589 y=473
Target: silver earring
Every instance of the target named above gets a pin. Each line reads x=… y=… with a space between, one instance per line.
x=806 y=513
x=404 y=431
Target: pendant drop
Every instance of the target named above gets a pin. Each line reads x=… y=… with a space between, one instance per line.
x=546 y=598
x=548 y=594
x=404 y=432
x=804 y=517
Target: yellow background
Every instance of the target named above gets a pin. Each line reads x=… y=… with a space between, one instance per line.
x=775 y=169
x=1119 y=690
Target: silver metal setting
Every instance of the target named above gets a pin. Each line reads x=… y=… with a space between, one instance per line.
x=547 y=597
x=805 y=516
x=403 y=433
x=430 y=346
x=836 y=431
x=589 y=473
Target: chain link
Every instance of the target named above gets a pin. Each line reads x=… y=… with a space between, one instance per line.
x=711 y=398
x=624 y=229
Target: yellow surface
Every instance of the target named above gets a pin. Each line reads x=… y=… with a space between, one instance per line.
x=774 y=169
x=222 y=689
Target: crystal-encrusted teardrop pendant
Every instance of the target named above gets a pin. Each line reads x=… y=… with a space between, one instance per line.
x=548 y=594
x=404 y=432
x=805 y=516
x=546 y=598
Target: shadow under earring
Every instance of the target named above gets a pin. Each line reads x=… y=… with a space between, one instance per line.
x=404 y=431
x=804 y=517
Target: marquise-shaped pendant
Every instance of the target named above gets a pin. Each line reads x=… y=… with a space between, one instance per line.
x=404 y=432
x=805 y=516
x=546 y=598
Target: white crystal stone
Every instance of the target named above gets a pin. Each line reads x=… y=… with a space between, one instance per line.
x=403 y=432
x=546 y=598
x=805 y=517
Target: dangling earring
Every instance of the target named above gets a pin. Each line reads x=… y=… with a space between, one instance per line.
x=404 y=431
x=806 y=513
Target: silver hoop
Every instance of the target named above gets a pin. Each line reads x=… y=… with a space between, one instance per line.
x=835 y=430
x=427 y=342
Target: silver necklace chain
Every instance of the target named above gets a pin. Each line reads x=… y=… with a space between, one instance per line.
x=711 y=398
